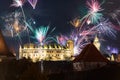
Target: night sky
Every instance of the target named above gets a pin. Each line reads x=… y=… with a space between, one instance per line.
x=58 y=13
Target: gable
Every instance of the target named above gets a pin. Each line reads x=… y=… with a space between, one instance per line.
x=90 y=54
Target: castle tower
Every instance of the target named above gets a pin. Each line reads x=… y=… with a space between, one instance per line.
x=97 y=43
x=20 y=52
x=3 y=47
x=70 y=46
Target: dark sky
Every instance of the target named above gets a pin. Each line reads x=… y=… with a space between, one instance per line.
x=57 y=13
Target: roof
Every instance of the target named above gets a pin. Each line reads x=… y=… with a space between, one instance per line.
x=4 y=51
x=90 y=54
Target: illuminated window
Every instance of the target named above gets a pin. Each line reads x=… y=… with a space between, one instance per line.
x=47 y=51
x=36 y=51
x=57 y=54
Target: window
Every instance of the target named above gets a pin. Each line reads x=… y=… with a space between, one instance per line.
x=58 y=51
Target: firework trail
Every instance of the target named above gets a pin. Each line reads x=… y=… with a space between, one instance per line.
x=93 y=15
x=33 y=3
x=61 y=39
x=94 y=11
x=101 y=26
x=115 y=15
x=75 y=22
x=106 y=28
x=13 y=25
x=81 y=37
x=19 y=3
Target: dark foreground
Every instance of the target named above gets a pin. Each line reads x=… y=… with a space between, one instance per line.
x=25 y=70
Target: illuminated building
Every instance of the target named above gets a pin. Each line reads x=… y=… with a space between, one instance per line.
x=118 y=58
x=51 y=52
x=89 y=58
x=97 y=43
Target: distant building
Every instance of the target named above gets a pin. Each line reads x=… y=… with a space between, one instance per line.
x=89 y=58
x=115 y=57
x=118 y=58
x=51 y=52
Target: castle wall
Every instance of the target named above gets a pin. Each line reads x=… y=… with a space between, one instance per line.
x=81 y=66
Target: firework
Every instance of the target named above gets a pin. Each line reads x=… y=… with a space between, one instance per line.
x=115 y=15
x=76 y=22
x=17 y=3
x=85 y=36
x=80 y=40
x=106 y=28
x=94 y=11
x=13 y=24
x=33 y=3
x=42 y=35
x=93 y=24
x=62 y=39
x=94 y=14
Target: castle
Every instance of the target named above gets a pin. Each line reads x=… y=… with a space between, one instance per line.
x=51 y=52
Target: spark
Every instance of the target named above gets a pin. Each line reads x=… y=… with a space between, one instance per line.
x=76 y=22
x=17 y=3
x=33 y=3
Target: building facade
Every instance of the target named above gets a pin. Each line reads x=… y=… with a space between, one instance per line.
x=51 y=52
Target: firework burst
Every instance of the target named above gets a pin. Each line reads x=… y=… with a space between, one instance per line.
x=76 y=22
x=42 y=35
x=94 y=11
x=18 y=3
x=106 y=28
